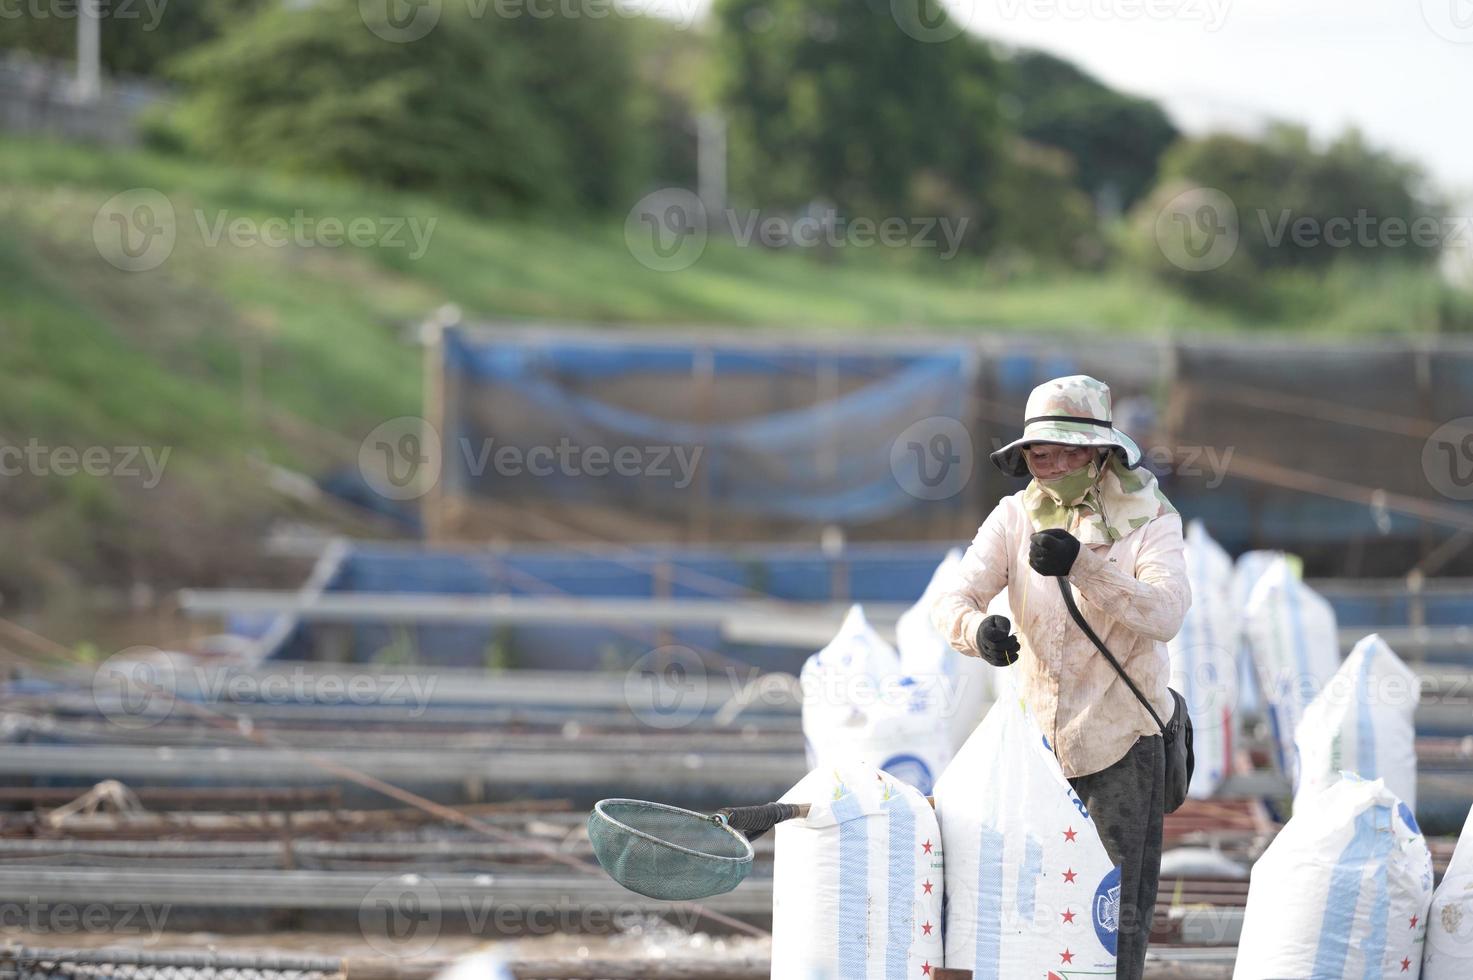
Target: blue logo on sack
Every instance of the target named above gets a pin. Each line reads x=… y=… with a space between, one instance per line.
x=1406 y=815
x=1107 y=910
x=909 y=769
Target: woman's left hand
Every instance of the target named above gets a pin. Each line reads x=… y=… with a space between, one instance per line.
x=1052 y=552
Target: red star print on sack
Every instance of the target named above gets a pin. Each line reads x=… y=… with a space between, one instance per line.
x=1068 y=916
x=926 y=968
x=1070 y=834
x=1066 y=956
x=1070 y=875
x=926 y=846
x=926 y=929
x=1406 y=965
x=927 y=885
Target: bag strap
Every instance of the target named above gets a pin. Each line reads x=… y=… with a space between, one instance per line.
x=1068 y=594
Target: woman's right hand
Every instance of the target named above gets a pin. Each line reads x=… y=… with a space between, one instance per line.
x=994 y=640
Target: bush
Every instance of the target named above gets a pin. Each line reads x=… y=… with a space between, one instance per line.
x=1233 y=218
x=493 y=112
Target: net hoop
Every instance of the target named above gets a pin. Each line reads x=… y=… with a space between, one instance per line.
x=746 y=845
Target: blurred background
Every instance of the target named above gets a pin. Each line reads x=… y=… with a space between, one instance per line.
x=421 y=418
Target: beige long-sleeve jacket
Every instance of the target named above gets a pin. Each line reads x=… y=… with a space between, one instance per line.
x=1133 y=593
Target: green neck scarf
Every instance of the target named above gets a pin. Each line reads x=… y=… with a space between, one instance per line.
x=1098 y=504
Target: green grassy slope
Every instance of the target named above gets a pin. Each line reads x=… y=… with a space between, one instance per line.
x=227 y=352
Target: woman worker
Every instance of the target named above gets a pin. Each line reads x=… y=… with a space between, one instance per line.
x=1091 y=513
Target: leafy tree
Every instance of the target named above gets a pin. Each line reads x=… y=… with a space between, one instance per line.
x=493 y=111
x=135 y=38
x=1290 y=208
x=830 y=100
x=1116 y=140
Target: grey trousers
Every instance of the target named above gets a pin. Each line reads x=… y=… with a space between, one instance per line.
x=1127 y=803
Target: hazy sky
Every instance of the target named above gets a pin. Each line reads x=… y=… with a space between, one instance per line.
x=1401 y=70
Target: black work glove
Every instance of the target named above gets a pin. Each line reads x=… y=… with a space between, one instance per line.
x=996 y=645
x=1052 y=552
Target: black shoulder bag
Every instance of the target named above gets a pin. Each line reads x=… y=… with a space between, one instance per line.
x=1176 y=735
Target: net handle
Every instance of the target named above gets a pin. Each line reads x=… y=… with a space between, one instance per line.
x=754 y=821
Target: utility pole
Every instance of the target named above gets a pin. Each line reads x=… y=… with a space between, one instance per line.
x=89 y=70
x=711 y=163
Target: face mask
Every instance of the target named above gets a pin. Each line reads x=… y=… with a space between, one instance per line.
x=1070 y=488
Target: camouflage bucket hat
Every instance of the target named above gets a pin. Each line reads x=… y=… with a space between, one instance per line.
x=1072 y=411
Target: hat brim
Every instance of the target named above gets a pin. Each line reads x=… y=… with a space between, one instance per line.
x=1010 y=459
